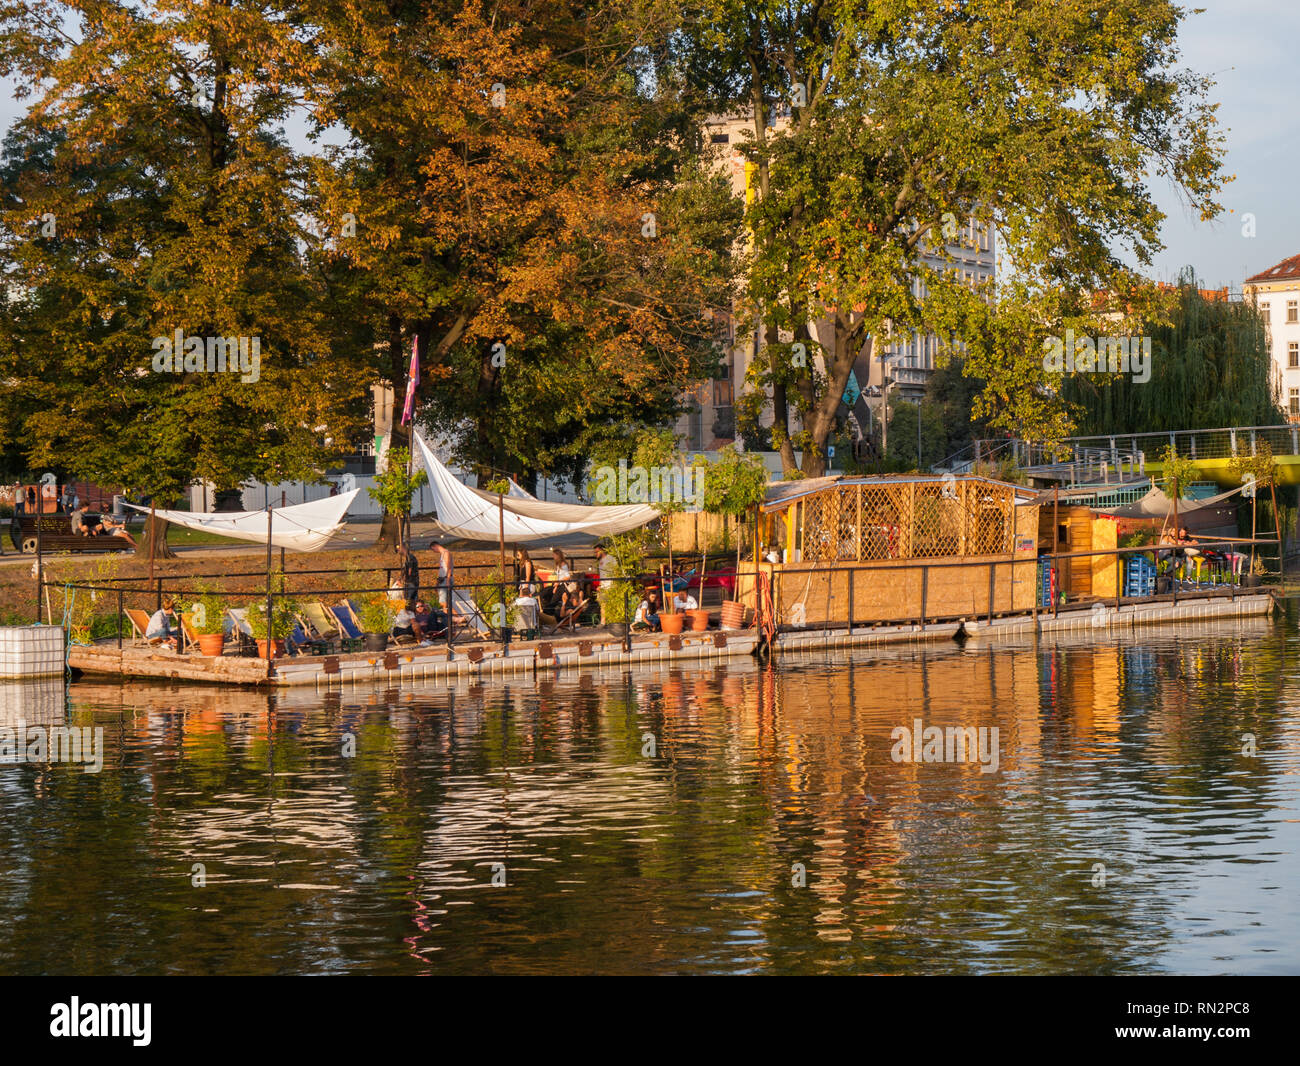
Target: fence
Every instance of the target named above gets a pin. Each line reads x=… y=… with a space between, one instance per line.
x=843 y=597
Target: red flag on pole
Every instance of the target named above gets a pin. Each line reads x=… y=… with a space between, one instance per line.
x=412 y=381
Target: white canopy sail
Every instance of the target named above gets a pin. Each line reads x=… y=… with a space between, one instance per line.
x=302 y=527
x=471 y=514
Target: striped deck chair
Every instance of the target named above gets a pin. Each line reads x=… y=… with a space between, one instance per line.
x=140 y=626
x=351 y=638
x=189 y=632
x=319 y=625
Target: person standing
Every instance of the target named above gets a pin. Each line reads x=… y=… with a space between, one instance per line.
x=410 y=574
x=607 y=568
x=446 y=574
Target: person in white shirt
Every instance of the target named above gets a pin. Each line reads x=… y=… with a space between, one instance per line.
x=685 y=601
x=528 y=608
x=404 y=622
x=161 y=625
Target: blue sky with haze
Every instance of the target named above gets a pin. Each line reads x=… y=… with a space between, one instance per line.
x=1249 y=48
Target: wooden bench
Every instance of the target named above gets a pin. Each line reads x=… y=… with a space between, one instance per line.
x=56 y=536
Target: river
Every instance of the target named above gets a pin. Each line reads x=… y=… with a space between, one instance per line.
x=1135 y=812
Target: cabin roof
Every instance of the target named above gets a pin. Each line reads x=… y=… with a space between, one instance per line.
x=781 y=494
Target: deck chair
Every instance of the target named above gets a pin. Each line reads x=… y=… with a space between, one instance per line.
x=570 y=619
x=239 y=630
x=301 y=640
x=189 y=633
x=470 y=616
x=140 y=626
x=319 y=623
x=351 y=637
x=528 y=619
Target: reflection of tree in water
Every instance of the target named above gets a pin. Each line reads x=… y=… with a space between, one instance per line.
x=1124 y=751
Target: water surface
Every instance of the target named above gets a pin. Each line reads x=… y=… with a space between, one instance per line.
x=718 y=818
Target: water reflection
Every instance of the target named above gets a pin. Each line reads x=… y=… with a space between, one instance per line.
x=713 y=818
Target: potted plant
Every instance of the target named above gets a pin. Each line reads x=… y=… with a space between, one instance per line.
x=1256 y=576
x=282 y=624
x=735 y=485
x=501 y=614
x=376 y=618
x=206 y=616
x=618 y=602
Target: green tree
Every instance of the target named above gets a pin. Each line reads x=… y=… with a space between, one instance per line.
x=880 y=129
x=1210 y=368
x=146 y=194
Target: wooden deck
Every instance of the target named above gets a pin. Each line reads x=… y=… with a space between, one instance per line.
x=603 y=648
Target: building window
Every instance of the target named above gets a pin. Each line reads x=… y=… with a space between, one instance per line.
x=722 y=394
x=1263 y=309
x=1293 y=311
x=1293 y=355
x=721 y=138
x=1295 y=401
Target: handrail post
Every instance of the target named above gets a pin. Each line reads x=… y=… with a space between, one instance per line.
x=925 y=589
x=993 y=569
x=627 y=622
x=505 y=619
x=451 y=617
x=119 y=619
x=852 y=571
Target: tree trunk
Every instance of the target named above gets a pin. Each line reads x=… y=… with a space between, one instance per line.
x=821 y=416
x=153 y=545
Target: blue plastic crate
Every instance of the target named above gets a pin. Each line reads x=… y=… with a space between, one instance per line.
x=1139 y=576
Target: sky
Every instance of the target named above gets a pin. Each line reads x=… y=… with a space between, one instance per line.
x=1248 y=47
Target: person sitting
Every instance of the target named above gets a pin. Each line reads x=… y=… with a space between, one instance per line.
x=80 y=527
x=571 y=607
x=112 y=528
x=684 y=601
x=647 y=612
x=404 y=622
x=163 y=625
x=528 y=609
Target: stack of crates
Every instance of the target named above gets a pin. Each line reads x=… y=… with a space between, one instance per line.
x=1046 y=583
x=1139 y=576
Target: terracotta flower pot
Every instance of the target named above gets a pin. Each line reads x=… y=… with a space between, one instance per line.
x=733 y=614
x=672 y=623
x=277 y=649
x=699 y=617
x=212 y=644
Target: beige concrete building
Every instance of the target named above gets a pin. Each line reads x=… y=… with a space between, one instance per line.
x=907 y=361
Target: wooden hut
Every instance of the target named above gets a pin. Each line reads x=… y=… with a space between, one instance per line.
x=896 y=548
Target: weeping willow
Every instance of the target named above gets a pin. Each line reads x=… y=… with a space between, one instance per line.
x=1210 y=368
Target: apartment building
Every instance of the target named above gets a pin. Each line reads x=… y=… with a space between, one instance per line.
x=1276 y=292
x=907 y=361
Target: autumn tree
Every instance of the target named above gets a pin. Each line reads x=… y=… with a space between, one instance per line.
x=148 y=198
x=516 y=199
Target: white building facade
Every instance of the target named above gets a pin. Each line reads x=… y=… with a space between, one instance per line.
x=1276 y=292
